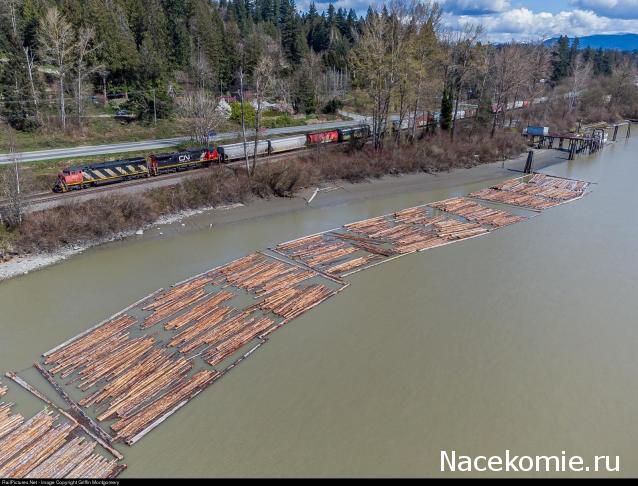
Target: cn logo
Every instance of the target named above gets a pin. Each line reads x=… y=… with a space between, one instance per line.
x=185 y=158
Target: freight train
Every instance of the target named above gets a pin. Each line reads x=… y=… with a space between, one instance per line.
x=92 y=175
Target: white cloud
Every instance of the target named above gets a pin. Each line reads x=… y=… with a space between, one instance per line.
x=622 y=9
x=475 y=7
x=524 y=24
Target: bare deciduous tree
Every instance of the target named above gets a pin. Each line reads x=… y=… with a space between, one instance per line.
x=84 y=48
x=57 y=39
x=200 y=112
x=462 y=50
x=10 y=184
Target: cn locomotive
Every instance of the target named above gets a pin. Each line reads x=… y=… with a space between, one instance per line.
x=92 y=175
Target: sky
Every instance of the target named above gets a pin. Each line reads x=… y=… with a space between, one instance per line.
x=506 y=20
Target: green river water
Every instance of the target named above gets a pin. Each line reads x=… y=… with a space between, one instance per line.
x=525 y=339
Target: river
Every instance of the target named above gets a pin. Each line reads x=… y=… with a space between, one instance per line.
x=525 y=339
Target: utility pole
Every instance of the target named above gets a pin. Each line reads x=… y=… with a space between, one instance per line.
x=243 y=124
x=154 y=109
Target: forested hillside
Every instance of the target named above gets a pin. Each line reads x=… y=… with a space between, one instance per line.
x=63 y=60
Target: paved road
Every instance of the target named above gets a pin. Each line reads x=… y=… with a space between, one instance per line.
x=114 y=148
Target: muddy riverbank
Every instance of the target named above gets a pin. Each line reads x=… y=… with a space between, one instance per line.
x=331 y=194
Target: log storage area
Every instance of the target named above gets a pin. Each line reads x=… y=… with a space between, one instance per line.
x=539 y=192
x=473 y=211
x=137 y=368
x=46 y=446
x=130 y=373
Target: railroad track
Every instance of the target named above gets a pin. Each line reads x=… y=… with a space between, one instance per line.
x=48 y=197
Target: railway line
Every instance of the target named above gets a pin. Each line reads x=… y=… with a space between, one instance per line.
x=44 y=199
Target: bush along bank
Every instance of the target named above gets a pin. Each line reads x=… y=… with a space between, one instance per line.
x=103 y=218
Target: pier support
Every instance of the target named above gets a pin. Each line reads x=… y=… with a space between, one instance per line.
x=528 y=164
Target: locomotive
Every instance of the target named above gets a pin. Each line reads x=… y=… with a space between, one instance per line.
x=83 y=177
x=92 y=175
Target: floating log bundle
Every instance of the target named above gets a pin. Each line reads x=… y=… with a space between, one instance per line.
x=8 y=421
x=42 y=447
x=559 y=183
x=514 y=199
x=290 y=303
x=540 y=192
x=473 y=211
x=132 y=428
x=200 y=311
x=172 y=307
x=232 y=344
x=72 y=353
x=177 y=292
x=3 y=390
x=137 y=375
x=457 y=230
x=543 y=191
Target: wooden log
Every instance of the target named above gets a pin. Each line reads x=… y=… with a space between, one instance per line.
x=77 y=413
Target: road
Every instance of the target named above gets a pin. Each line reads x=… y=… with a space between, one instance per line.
x=115 y=148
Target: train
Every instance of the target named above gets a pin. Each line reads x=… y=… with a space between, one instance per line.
x=120 y=170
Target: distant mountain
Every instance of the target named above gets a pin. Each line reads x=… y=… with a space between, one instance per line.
x=620 y=42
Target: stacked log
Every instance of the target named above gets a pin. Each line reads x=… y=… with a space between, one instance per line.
x=236 y=266
x=559 y=183
x=200 y=311
x=417 y=215
x=40 y=448
x=543 y=191
x=133 y=427
x=365 y=244
x=106 y=366
x=230 y=345
x=417 y=242
x=82 y=349
x=64 y=460
x=172 y=307
x=30 y=431
x=36 y=452
x=8 y=421
x=350 y=265
x=139 y=384
x=367 y=226
x=178 y=292
x=476 y=212
x=94 y=466
x=457 y=230
x=231 y=326
x=514 y=199
x=292 y=302
x=259 y=274
x=202 y=326
x=285 y=281
x=291 y=245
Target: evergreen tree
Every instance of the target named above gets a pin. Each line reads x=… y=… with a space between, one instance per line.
x=446 y=110
x=561 y=61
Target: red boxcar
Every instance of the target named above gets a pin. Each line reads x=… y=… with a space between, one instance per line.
x=323 y=137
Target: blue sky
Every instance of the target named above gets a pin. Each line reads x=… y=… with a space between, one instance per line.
x=527 y=19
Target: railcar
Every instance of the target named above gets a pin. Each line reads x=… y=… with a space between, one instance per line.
x=289 y=143
x=82 y=177
x=354 y=133
x=235 y=151
x=322 y=137
x=176 y=161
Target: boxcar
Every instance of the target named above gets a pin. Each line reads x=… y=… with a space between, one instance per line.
x=288 y=143
x=323 y=137
x=353 y=133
